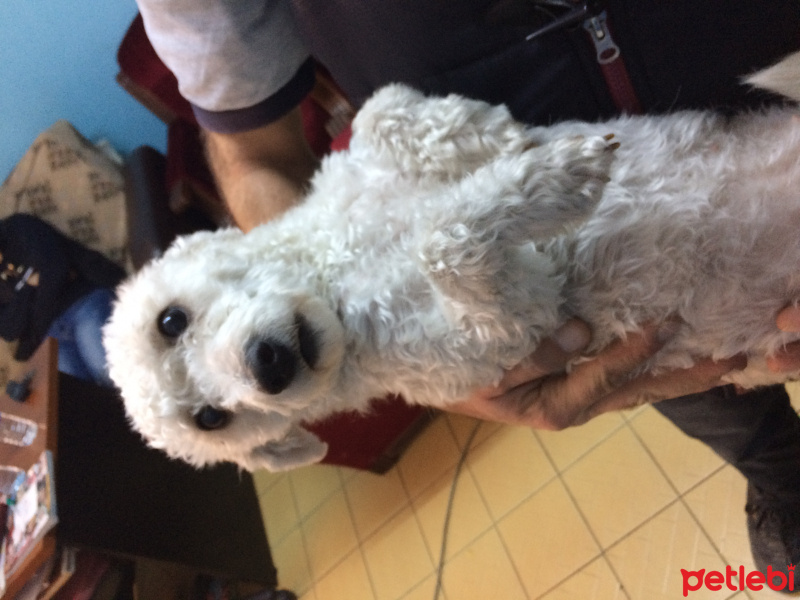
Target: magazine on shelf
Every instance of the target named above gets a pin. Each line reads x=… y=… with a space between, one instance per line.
x=30 y=515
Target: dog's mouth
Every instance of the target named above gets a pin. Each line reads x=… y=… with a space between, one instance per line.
x=307 y=342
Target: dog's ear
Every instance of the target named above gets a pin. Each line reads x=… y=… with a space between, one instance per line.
x=298 y=448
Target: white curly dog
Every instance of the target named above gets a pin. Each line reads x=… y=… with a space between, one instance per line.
x=442 y=248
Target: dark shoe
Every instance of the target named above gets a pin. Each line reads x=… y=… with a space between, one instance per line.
x=774 y=530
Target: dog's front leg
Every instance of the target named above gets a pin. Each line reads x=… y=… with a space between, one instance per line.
x=480 y=253
x=432 y=137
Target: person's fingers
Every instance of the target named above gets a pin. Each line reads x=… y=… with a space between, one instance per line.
x=788 y=359
x=545 y=397
x=551 y=356
x=487 y=408
x=789 y=319
x=613 y=366
x=495 y=404
x=785 y=361
x=703 y=376
x=554 y=402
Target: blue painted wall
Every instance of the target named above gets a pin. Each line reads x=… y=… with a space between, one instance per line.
x=58 y=61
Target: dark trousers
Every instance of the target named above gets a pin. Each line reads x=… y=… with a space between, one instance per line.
x=757 y=432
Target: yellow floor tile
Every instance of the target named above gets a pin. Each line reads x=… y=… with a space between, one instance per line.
x=718 y=504
x=594 y=582
x=278 y=511
x=547 y=539
x=348 y=580
x=632 y=413
x=264 y=480
x=650 y=559
x=469 y=517
x=396 y=557
x=329 y=534
x=617 y=486
x=483 y=570
x=425 y=591
x=508 y=468
x=432 y=454
x=291 y=561
x=374 y=499
x=685 y=461
x=462 y=427
x=567 y=446
x=793 y=388
x=347 y=473
x=312 y=485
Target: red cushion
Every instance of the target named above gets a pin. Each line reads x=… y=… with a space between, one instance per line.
x=373 y=441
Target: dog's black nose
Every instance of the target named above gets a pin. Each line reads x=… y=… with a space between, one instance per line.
x=272 y=363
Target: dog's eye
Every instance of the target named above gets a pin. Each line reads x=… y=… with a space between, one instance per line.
x=210 y=418
x=173 y=321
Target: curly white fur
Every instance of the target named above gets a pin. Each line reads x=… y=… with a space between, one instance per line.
x=442 y=248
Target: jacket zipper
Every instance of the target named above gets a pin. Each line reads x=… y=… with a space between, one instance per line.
x=612 y=66
x=594 y=19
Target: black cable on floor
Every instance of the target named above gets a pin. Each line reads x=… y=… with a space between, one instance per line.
x=449 y=510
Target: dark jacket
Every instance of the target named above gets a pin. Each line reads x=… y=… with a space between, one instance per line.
x=679 y=53
x=42 y=272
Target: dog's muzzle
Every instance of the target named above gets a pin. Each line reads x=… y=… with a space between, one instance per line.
x=274 y=364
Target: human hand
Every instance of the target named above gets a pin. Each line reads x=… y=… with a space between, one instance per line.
x=788 y=359
x=537 y=393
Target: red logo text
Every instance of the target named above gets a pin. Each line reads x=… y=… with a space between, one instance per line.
x=754 y=580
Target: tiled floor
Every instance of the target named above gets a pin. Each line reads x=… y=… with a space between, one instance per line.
x=611 y=510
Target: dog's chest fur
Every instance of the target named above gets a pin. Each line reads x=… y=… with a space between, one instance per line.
x=697 y=224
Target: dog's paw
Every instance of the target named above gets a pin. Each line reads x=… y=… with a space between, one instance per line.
x=566 y=177
x=443 y=138
x=586 y=162
x=558 y=183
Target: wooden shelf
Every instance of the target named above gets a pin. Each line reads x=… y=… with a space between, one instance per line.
x=41 y=406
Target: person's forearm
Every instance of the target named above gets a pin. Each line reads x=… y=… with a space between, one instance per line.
x=254 y=196
x=262 y=172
